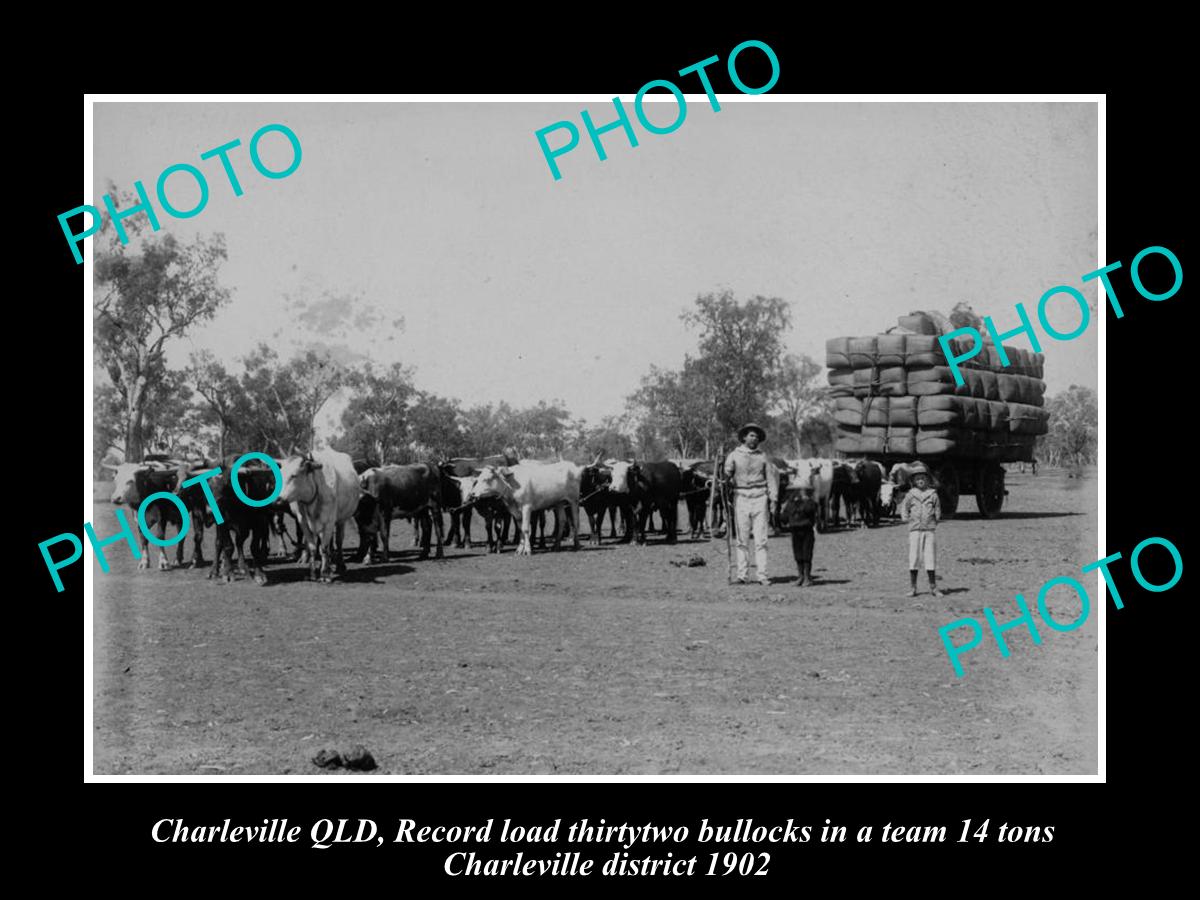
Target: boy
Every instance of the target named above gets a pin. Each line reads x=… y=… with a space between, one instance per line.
x=799 y=515
x=921 y=509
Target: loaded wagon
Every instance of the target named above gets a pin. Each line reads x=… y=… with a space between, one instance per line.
x=897 y=400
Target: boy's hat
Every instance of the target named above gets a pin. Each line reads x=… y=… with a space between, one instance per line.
x=917 y=469
x=748 y=427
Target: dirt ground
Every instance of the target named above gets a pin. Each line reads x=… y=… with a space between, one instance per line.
x=611 y=660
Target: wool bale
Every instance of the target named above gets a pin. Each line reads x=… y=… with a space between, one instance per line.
x=927 y=388
x=837 y=353
x=990 y=384
x=890 y=349
x=934 y=446
x=1024 y=419
x=841 y=377
x=862 y=351
x=902 y=441
x=875 y=411
x=919 y=323
x=1010 y=388
x=873 y=439
x=847 y=443
x=902 y=412
x=939 y=411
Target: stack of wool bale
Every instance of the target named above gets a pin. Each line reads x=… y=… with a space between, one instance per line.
x=895 y=394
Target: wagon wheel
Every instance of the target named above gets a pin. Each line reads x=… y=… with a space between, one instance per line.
x=989 y=493
x=947 y=485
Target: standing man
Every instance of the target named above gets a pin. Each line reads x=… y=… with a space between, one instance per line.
x=755 y=486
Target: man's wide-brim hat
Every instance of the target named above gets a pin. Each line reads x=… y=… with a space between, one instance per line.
x=917 y=469
x=750 y=426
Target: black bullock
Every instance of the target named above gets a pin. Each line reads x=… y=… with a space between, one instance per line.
x=650 y=486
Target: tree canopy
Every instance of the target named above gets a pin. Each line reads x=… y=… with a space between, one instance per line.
x=1072 y=437
x=143 y=301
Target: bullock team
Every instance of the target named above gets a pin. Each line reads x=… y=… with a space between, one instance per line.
x=321 y=491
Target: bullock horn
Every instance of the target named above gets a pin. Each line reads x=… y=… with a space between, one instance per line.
x=109 y=466
x=596 y=461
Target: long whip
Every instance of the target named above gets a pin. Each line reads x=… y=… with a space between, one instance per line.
x=730 y=524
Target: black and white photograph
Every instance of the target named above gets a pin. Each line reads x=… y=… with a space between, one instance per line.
x=478 y=438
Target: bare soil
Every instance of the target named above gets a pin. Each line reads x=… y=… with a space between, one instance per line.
x=611 y=660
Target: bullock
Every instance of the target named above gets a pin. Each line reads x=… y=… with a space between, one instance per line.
x=620 y=505
x=900 y=480
x=650 y=485
x=495 y=515
x=843 y=489
x=133 y=483
x=323 y=491
x=413 y=490
x=496 y=521
x=366 y=520
x=869 y=476
x=593 y=497
x=817 y=474
x=455 y=493
x=239 y=520
x=463 y=466
x=279 y=528
x=887 y=498
x=695 y=485
x=561 y=529
x=527 y=488
x=781 y=472
x=197 y=504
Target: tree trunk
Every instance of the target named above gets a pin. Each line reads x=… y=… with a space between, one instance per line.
x=134 y=410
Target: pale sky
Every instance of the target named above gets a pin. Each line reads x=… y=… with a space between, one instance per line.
x=513 y=286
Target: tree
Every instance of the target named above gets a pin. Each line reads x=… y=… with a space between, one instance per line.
x=221 y=394
x=1073 y=421
x=277 y=406
x=540 y=431
x=608 y=439
x=433 y=428
x=144 y=300
x=801 y=401
x=166 y=413
x=266 y=414
x=487 y=429
x=317 y=377
x=165 y=416
x=740 y=349
x=375 y=421
x=108 y=409
x=678 y=409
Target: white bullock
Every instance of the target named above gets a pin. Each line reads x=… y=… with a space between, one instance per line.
x=818 y=474
x=323 y=491
x=133 y=483
x=527 y=488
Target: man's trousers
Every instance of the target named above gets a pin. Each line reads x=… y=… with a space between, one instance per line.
x=751 y=514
